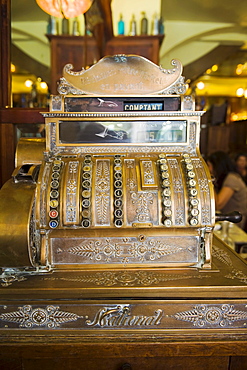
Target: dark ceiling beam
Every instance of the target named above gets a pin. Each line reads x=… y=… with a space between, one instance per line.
x=27 y=63
x=197 y=68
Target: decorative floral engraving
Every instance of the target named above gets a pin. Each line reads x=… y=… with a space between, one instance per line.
x=206 y=315
x=221 y=255
x=148 y=172
x=125 y=250
x=225 y=258
x=178 y=189
x=50 y=317
x=204 y=191
x=143 y=201
x=102 y=196
x=11 y=277
x=178 y=88
x=128 y=278
x=71 y=188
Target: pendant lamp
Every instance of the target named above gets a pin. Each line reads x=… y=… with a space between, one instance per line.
x=64 y=8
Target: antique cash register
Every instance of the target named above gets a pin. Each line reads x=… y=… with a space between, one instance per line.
x=106 y=227
x=120 y=182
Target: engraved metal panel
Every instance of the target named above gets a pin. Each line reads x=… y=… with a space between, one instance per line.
x=102 y=192
x=71 y=210
x=125 y=250
x=178 y=199
x=206 y=217
x=126 y=315
x=121 y=74
x=148 y=173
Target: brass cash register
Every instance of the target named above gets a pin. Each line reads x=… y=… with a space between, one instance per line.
x=119 y=180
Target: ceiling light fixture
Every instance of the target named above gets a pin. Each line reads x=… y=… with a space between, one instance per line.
x=65 y=8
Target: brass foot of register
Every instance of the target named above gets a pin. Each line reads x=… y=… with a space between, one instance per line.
x=116 y=206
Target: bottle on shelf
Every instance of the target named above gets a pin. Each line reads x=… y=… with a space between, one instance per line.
x=76 y=27
x=144 y=24
x=155 y=25
x=65 y=26
x=132 y=26
x=52 y=26
x=121 y=25
x=161 y=26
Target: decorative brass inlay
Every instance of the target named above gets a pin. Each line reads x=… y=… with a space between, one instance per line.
x=204 y=191
x=122 y=74
x=206 y=316
x=121 y=316
x=128 y=278
x=28 y=317
x=124 y=250
x=71 y=198
x=178 y=192
x=225 y=258
x=143 y=201
x=102 y=192
x=148 y=173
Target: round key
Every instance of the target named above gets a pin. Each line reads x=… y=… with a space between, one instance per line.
x=86 y=175
x=86 y=223
x=54 y=194
x=167 y=212
x=55 y=175
x=194 y=202
x=165 y=175
x=118 y=193
x=53 y=203
x=86 y=184
x=193 y=192
x=166 y=183
x=86 y=168
x=164 y=167
x=166 y=192
x=55 y=168
x=118 y=223
x=192 y=182
x=168 y=222
x=118 y=213
x=53 y=224
x=167 y=202
x=194 y=212
x=118 y=203
x=86 y=194
x=57 y=162
x=54 y=184
x=191 y=174
x=193 y=221
x=117 y=175
x=86 y=203
x=85 y=213
x=189 y=167
x=118 y=184
x=53 y=213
